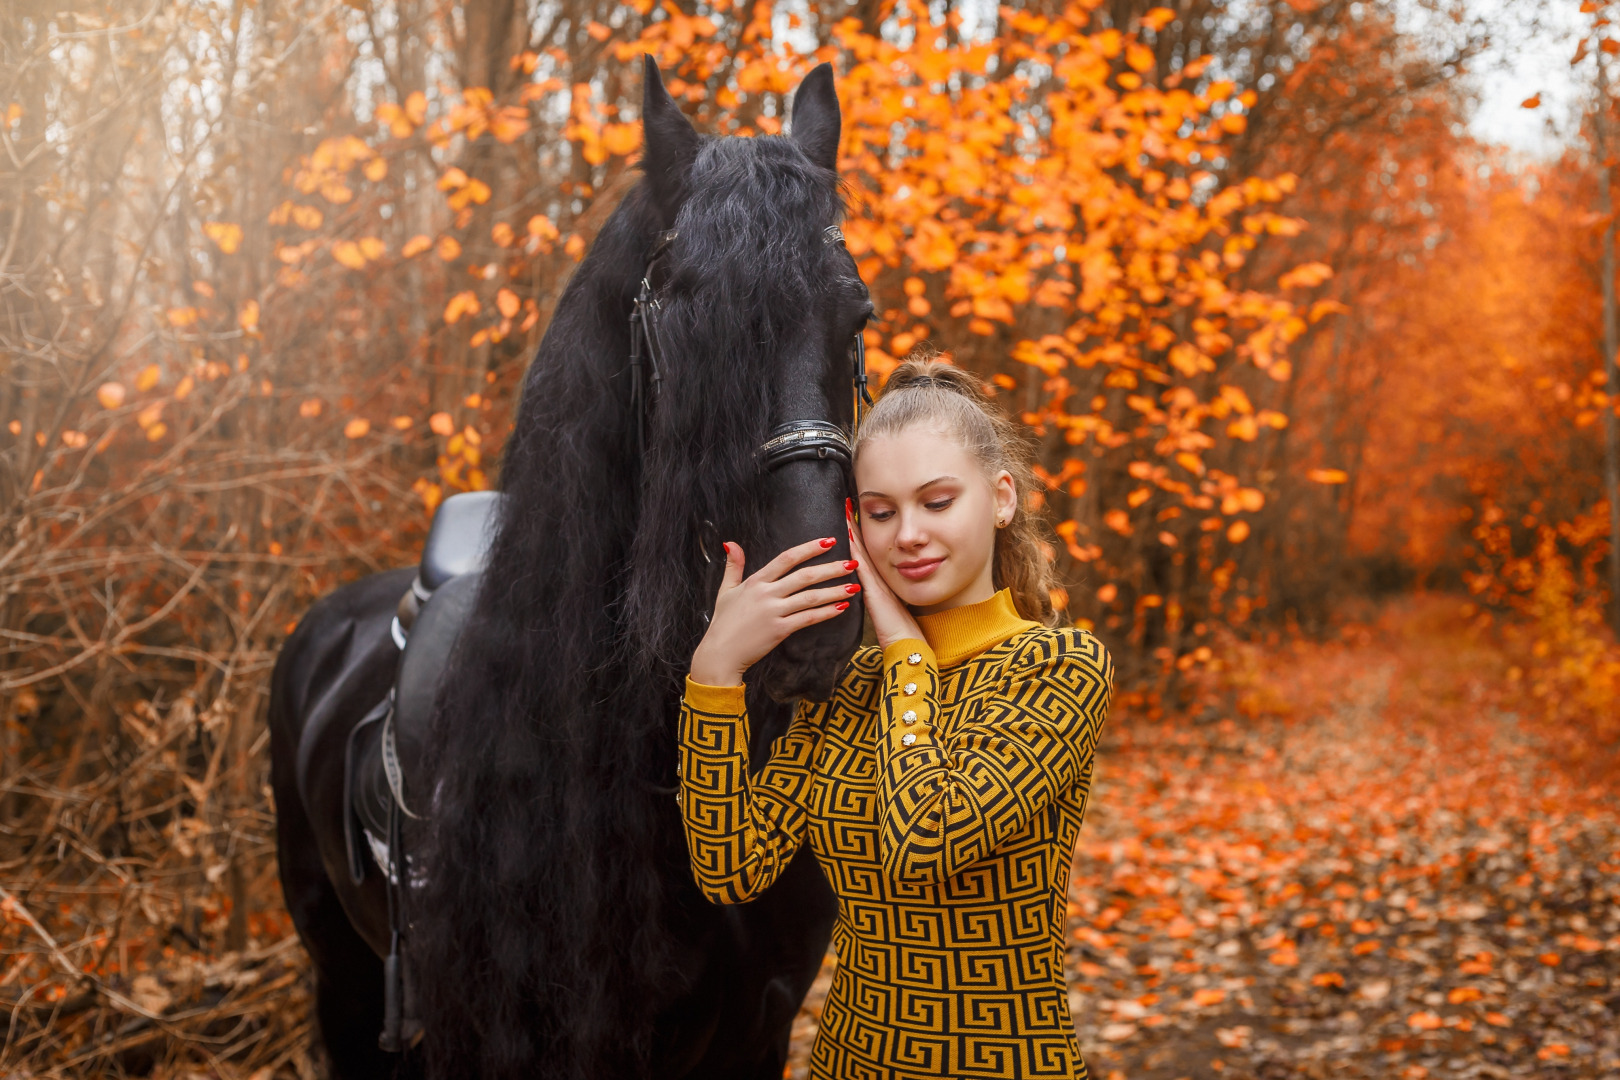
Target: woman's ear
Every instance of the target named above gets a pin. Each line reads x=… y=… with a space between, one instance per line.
x=1005 y=496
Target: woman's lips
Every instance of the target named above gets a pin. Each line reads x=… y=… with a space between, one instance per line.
x=918 y=569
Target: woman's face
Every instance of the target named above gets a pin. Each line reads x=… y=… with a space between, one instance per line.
x=928 y=517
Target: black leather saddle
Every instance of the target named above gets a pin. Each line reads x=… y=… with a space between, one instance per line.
x=383 y=774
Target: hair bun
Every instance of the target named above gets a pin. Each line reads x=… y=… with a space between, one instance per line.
x=924 y=370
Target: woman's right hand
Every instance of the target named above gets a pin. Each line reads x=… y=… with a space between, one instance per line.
x=755 y=614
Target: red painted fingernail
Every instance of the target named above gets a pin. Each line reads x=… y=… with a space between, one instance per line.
x=848 y=507
x=842 y=605
x=852 y=588
x=852 y=564
x=726 y=548
x=828 y=542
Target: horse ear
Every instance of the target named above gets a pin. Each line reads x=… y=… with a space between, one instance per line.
x=817 y=122
x=670 y=140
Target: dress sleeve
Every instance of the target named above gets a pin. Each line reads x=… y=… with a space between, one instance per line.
x=741 y=831
x=946 y=803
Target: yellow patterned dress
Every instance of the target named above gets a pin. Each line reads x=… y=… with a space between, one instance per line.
x=942 y=790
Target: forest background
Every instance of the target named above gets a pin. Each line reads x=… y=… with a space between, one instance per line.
x=1291 y=340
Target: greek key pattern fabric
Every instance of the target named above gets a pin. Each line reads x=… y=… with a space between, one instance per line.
x=949 y=850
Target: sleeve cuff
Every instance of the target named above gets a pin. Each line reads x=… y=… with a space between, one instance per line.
x=901 y=652
x=715 y=700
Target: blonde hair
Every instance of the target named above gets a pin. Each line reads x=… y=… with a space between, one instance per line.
x=924 y=391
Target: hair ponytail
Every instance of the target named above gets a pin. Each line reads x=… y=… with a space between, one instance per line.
x=926 y=391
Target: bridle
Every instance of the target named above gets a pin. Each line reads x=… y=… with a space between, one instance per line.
x=795 y=440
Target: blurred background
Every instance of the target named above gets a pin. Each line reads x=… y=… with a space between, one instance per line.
x=1308 y=306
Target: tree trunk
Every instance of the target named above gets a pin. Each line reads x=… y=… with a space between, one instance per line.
x=1611 y=457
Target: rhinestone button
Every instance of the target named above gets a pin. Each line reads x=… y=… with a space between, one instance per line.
x=911 y=688
x=907 y=739
x=909 y=716
x=914 y=658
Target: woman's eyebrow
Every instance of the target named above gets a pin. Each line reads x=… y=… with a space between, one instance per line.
x=920 y=487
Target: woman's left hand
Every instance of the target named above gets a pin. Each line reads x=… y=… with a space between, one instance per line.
x=891 y=619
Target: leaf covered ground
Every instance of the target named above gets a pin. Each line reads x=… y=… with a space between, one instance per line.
x=1360 y=860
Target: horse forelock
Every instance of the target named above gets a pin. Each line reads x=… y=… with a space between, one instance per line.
x=546 y=932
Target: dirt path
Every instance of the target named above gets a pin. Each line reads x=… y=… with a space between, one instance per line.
x=1362 y=866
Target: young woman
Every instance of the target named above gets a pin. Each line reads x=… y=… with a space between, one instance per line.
x=943 y=786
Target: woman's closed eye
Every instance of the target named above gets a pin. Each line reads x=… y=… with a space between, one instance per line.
x=940 y=504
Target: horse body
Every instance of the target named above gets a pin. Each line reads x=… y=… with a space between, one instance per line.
x=557 y=931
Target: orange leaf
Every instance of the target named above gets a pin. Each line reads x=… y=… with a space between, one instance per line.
x=463 y=303
x=415 y=246
x=248 y=317
x=1424 y=1021
x=621 y=139
x=110 y=394
x=356 y=428
x=1208 y=996
x=1238 y=532
x=441 y=424
x=449 y=248
x=1244 y=428
x=148 y=378
x=507 y=301
x=1158 y=18
x=227 y=236
x=1328 y=476
x=347 y=252
x=416 y=107
x=1532 y=102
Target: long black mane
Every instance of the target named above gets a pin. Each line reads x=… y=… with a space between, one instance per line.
x=544 y=942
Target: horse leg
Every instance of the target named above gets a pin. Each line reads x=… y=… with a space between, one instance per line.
x=348 y=975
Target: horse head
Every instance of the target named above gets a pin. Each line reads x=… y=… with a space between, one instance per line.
x=752 y=322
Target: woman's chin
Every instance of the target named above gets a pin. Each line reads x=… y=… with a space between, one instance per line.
x=922 y=597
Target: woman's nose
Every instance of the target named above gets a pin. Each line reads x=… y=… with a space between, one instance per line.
x=911 y=533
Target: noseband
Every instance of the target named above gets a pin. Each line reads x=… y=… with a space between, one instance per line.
x=796 y=440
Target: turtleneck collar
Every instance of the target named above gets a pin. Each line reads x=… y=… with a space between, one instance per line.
x=964 y=632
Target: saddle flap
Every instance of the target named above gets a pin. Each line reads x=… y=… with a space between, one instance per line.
x=458 y=541
x=427 y=653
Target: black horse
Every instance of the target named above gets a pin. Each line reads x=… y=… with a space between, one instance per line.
x=555 y=930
